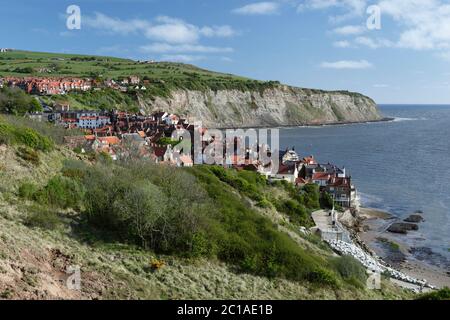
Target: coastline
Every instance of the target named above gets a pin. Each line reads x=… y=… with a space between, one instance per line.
x=394 y=249
x=307 y=125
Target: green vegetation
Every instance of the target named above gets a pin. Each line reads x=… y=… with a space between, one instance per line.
x=39 y=217
x=161 y=76
x=29 y=155
x=196 y=212
x=351 y=270
x=391 y=244
x=16 y=101
x=136 y=226
x=60 y=192
x=443 y=294
x=11 y=134
x=15 y=129
x=164 y=141
x=106 y=99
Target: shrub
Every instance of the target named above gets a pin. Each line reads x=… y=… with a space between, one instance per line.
x=61 y=192
x=29 y=155
x=34 y=140
x=15 y=131
x=296 y=211
x=326 y=201
x=323 y=276
x=16 y=101
x=443 y=294
x=42 y=218
x=264 y=203
x=27 y=190
x=350 y=269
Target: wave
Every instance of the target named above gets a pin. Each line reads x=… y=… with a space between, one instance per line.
x=368 y=199
x=398 y=119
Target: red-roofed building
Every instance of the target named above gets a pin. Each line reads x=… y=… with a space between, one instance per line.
x=342 y=190
x=321 y=178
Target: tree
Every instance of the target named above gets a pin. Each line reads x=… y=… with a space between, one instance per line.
x=142 y=208
x=16 y=101
x=35 y=106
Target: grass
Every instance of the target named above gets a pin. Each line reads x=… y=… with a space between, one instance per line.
x=13 y=134
x=443 y=294
x=235 y=252
x=164 y=76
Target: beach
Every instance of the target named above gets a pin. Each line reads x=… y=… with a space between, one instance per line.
x=394 y=249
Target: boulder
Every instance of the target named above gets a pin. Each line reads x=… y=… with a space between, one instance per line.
x=414 y=218
x=403 y=228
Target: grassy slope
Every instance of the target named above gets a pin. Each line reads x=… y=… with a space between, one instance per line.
x=108 y=67
x=165 y=76
x=33 y=260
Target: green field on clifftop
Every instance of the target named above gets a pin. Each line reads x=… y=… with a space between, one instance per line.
x=164 y=75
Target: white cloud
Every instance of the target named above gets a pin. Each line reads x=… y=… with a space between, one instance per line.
x=342 y=44
x=381 y=85
x=181 y=58
x=425 y=23
x=114 y=25
x=347 y=64
x=258 y=8
x=420 y=24
x=193 y=48
x=350 y=30
x=349 y=8
x=374 y=43
x=163 y=28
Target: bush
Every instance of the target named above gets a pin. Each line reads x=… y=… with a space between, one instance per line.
x=34 y=140
x=42 y=218
x=326 y=201
x=350 y=269
x=264 y=203
x=27 y=190
x=29 y=155
x=443 y=294
x=13 y=131
x=296 y=212
x=159 y=208
x=61 y=192
x=248 y=240
x=323 y=276
x=16 y=101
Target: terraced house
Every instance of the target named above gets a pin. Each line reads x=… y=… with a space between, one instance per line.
x=48 y=86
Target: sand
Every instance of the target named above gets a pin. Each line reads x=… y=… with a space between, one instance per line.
x=375 y=223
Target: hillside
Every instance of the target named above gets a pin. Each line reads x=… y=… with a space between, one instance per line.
x=197 y=233
x=218 y=99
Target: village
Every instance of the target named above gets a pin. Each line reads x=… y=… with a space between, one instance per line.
x=120 y=135
x=113 y=132
x=46 y=86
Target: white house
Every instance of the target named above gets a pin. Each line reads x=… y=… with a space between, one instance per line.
x=288 y=173
x=172 y=119
x=86 y=122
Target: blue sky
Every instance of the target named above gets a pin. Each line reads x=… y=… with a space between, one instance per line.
x=310 y=43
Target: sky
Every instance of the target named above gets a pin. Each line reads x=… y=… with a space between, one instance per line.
x=395 y=51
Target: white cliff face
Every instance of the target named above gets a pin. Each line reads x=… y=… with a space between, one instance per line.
x=278 y=106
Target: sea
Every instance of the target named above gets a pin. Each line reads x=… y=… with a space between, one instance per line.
x=400 y=166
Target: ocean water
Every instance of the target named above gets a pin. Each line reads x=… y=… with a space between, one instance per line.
x=400 y=166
